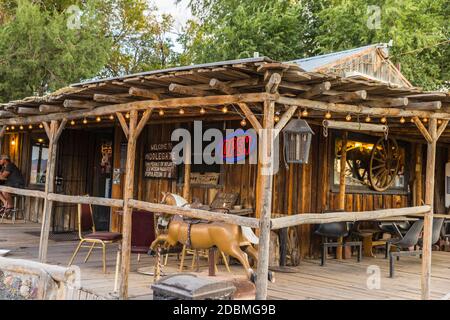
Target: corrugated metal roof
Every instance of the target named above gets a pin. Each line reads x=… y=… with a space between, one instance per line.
x=313 y=63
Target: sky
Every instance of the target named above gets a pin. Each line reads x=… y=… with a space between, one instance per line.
x=180 y=12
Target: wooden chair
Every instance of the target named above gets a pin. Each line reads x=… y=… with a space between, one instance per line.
x=101 y=238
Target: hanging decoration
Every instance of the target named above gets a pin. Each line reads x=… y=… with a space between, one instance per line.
x=353 y=126
x=297 y=141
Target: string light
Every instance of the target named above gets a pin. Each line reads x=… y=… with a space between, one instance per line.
x=40 y=140
x=30 y=127
x=276 y=119
x=21 y=127
x=13 y=128
x=425 y=120
x=98 y=119
x=161 y=112
x=7 y=128
x=439 y=121
x=202 y=111
x=85 y=121
x=412 y=120
x=181 y=111
x=72 y=122
x=243 y=123
x=402 y=120
x=383 y=120
x=224 y=109
x=111 y=117
x=328 y=115
x=13 y=142
x=127 y=116
x=305 y=113
x=41 y=126
x=348 y=117
x=368 y=119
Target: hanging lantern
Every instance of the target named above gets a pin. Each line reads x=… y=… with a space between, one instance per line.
x=297 y=141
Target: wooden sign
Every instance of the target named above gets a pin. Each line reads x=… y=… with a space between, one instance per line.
x=224 y=200
x=158 y=162
x=205 y=179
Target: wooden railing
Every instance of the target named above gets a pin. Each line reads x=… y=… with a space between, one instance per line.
x=276 y=223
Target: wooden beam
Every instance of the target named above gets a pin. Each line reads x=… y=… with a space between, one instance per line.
x=295 y=86
x=287 y=115
x=222 y=86
x=273 y=83
x=384 y=102
x=106 y=98
x=144 y=93
x=354 y=126
x=25 y=110
x=80 y=104
x=442 y=128
x=348 y=96
x=143 y=121
x=59 y=130
x=53 y=135
x=6 y=114
x=49 y=108
x=341 y=195
x=318 y=218
x=185 y=90
x=123 y=123
x=359 y=109
x=187 y=172
x=264 y=198
x=127 y=210
x=428 y=219
x=47 y=130
x=316 y=90
x=422 y=129
x=425 y=105
x=144 y=105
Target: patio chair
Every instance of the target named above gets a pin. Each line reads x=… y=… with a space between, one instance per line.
x=410 y=239
x=336 y=230
x=438 y=223
x=101 y=238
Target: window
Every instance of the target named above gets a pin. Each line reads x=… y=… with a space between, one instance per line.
x=39 y=158
x=366 y=169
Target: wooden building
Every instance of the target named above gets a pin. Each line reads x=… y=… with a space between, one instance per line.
x=89 y=137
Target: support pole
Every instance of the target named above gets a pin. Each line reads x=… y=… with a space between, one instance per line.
x=187 y=171
x=428 y=219
x=265 y=200
x=54 y=132
x=127 y=211
x=341 y=197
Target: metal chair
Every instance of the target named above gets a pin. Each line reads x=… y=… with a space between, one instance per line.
x=102 y=238
x=18 y=209
x=410 y=239
x=438 y=223
x=336 y=230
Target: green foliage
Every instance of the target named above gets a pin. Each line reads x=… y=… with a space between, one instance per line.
x=285 y=30
x=230 y=29
x=39 y=53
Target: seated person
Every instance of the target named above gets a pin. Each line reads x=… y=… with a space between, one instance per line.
x=13 y=178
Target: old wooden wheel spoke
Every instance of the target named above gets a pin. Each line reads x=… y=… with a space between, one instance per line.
x=384 y=164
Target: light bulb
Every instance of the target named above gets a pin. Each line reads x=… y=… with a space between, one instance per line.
x=30 y=127
x=243 y=123
x=368 y=119
x=72 y=122
x=383 y=120
x=85 y=121
x=425 y=120
x=181 y=111
x=98 y=119
x=111 y=117
x=13 y=128
x=41 y=126
x=127 y=116
x=348 y=117
x=439 y=121
x=7 y=128
x=13 y=142
x=305 y=113
x=276 y=119
x=402 y=120
x=328 y=115
x=161 y=112
x=202 y=111
x=225 y=109
x=21 y=127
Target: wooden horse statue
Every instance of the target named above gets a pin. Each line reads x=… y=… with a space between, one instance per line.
x=228 y=238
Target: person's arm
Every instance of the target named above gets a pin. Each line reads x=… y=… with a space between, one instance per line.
x=5 y=173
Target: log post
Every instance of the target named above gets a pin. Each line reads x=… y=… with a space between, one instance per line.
x=54 y=131
x=341 y=196
x=127 y=211
x=187 y=171
x=265 y=199
x=428 y=219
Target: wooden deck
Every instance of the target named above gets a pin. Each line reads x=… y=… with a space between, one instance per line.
x=345 y=279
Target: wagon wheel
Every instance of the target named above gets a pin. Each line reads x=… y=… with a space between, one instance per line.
x=292 y=246
x=357 y=168
x=384 y=164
